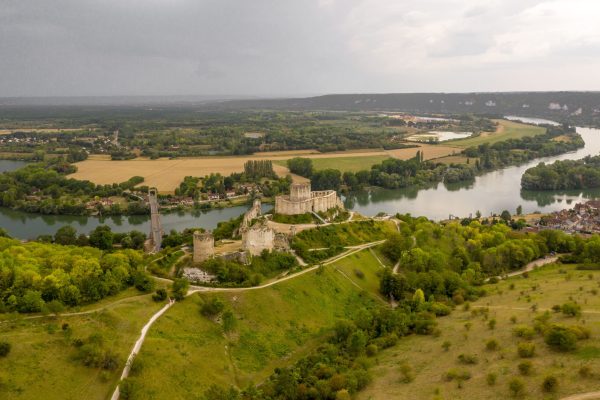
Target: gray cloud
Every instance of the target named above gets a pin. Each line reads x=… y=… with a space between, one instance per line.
x=274 y=47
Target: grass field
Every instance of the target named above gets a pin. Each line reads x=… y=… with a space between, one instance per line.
x=430 y=362
x=505 y=130
x=166 y=174
x=41 y=365
x=185 y=352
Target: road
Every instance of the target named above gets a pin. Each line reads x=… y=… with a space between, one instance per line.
x=530 y=267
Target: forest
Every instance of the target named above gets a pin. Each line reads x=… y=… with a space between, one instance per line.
x=563 y=175
x=44 y=188
x=43 y=277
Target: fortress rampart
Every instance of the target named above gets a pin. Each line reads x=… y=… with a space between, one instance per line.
x=302 y=200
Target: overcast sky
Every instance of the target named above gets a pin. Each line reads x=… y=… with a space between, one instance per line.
x=296 y=47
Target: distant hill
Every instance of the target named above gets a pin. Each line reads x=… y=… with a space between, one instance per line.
x=575 y=107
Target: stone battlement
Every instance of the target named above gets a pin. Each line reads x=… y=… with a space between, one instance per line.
x=302 y=200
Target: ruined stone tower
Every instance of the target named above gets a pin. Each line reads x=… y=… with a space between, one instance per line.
x=204 y=246
x=300 y=191
x=257 y=238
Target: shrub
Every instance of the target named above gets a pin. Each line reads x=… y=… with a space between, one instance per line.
x=212 y=307
x=491 y=344
x=524 y=331
x=560 y=338
x=458 y=376
x=371 y=350
x=516 y=387
x=446 y=345
x=492 y=324
x=406 y=373
x=525 y=367
x=550 y=384
x=491 y=379
x=585 y=371
x=526 y=350
x=359 y=274
x=160 y=295
x=571 y=309
x=468 y=359
x=4 y=349
x=440 y=309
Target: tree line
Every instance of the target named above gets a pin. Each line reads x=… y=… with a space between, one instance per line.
x=563 y=175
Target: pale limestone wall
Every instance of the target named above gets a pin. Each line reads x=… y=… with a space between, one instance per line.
x=251 y=214
x=258 y=238
x=300 y=192
x=284 y=205
x=325 y=200
x=204 y=246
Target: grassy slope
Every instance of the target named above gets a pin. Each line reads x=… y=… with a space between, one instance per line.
x=344 y=164
x=507 y=130
x=40 y=363
x=184 y=352
x=429 y=361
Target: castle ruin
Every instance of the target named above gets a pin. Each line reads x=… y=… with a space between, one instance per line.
x=257 y=238
x=204 y=246
x=302 y=200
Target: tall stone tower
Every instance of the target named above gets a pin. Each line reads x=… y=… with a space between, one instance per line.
x=204 y=246
x=300 y=192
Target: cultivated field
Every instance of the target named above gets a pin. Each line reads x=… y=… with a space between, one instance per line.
x=505 y=130
x=468 y=334
x=166 y=174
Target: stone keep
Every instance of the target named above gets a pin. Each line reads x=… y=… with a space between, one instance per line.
x=302 y=200
x=204 y=246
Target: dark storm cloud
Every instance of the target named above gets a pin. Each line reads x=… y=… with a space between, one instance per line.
x=280 y=47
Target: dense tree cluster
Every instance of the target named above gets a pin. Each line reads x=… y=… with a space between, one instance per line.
x=257 y=169
x=233 y=273
x=448 y=261
x=568 y=174
x=44 y=188
x=36 y=276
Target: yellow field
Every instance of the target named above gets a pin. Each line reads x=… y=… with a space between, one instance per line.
x=166 y=174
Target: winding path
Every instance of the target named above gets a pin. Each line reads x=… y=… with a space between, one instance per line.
x=583 y=396
x=196 y=289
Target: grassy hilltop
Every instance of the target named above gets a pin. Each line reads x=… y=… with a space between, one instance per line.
x=468 y=332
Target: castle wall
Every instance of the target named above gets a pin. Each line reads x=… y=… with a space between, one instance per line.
x=284 y=205
x=251 y=214
x=299 y=203
x=257 y=239
x=204 y=246
x=325 y=200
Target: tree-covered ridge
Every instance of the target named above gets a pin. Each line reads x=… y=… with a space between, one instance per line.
x=568 y=174
x=44 y=188
x=38 y=277
x=449 y=261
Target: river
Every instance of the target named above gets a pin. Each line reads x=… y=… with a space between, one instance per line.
x=490 y=193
